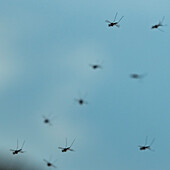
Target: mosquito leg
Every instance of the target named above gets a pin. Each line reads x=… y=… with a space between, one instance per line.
x=115 y=17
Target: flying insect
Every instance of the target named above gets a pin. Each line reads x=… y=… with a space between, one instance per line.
x=49 y=164
x=16 y=151
x=47 y=120
x=145 y=147
x=66 y=148
x=137 y=76
x=156 y=26
x=95 y=66
x=114 y=23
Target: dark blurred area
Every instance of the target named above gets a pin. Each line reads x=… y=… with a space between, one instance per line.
x=17 y=162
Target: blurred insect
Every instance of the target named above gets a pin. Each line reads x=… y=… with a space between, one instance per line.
x=47 y=120
x=67 y=148
x=159 y=25
x=114 y=23
x=137 y=76
x=80 y=100
x=95 y=66
x=49 y=164
x=16 y=151
x=147 y=146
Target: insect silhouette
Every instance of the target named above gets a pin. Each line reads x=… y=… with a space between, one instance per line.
x=66 y=148
x=137 y=76
x=114 y=23
x=80 y=100
x=145 y=147
x=16 y=151
x=49 y=164
x=159 y=25
x=95 y=66
x=47 y=120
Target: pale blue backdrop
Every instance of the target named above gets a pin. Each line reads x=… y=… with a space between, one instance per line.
x=46 y=47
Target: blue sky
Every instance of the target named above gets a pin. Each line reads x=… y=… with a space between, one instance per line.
x=46 y=47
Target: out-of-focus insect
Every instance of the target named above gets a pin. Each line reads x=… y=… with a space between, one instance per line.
x=159 y=25
x=81 y=100
x=114 y=23
x=137 y=76
x=66 y=148
x=49 y=164
x=145 y=147
x=16 y=151
x=47 y=120
x=95 y=66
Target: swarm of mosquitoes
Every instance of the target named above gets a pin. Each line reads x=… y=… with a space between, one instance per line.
x=81 y=101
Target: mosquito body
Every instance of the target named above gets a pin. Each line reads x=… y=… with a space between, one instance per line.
x=114 y=23
x=137 y=76
x=16 y=151
x=47 y=120
x=145 y=147
x=49 y=164
x=81 y=101
x=158 y=25
x=95 y=66
x=66 y=148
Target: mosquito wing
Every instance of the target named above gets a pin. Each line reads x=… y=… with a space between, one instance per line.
x=151 y=149
x=107 y=21
x=44 y=117
x=53 y=166
x=71 y=149
x=45 y=160
x=85 y=102
x=60 y=148
x=12 y=150
x=160 y=30
x=50 y=123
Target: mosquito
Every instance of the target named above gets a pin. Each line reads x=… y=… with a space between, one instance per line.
x=95 y=66
x=137 y=76
x=16 y=151
x=159 y=25
x=47 y=120
x=114 y=23
x=66 y=147
x=49 y=164
x=142 y=148
x=81 y=101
